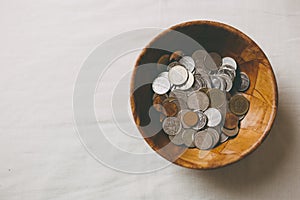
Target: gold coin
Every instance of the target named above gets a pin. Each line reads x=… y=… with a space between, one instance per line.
x=170 y=107
x=190 y=119
x=239 y=105
x=158 y=100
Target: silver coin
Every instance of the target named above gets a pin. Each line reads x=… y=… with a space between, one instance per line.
x=229 y=61
x=188 y=62
x=161 y=85
x=164 y=74
x=177 y=139
x=198 y=101
x=188 y=84
x=245 y=82
x=198 y=57
x=223 y=138
x=228 y=82
x=210 y=64
x=197 y=84
x=202 y=120
x=230 y=133
x=180 y=94
x=188 y=137
x=172 y=64
x=227 y=71
x=215 y=135
x=171 y=125
x=217 y=98
x=218 y=82
x=203 y=140
x=178 y=75
x=214 y=117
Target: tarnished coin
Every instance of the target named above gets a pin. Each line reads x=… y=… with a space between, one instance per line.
x=230 y=133
x=161 y=85
x=188 y=84
x=157 y=101
x=203 y=140
x=190 y=119
x=162 y=62
x=176 y=56
x=178 y=75
x=172 y=125
x=202 y=120
x=177 y=139
x=217 y=98
x=188 y=137
x=215 y=135
x=239 y=105
x=245 y=82
x=198 y=101
x=170 y=107
x=214 y=117
x=223 y=138
x=231 y=121
x=229 y=61
x=188 y=62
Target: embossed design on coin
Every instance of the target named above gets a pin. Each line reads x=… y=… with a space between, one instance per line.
x=188 y=137
x=217 y=98
x=198 y=101
x=245 y=82
x=161 y=85
x=188 y=62
x=190 y=119
x=239 y=105
x=178 y=75
x=203 y=140
x=231 y=121
x=214 y=117
x=172 y=125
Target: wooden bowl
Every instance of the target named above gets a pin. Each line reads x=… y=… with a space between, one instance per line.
x=262 y=94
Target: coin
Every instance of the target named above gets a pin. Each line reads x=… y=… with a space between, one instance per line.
x=188 y=84
x=161 y=85
x=218 y=82
x=214 y=117
x=177 y=55
x=180 y=115
x=228 y=82
x=170 y=107
x=202 y=120
x=223 y=138
x=157 y=101
x=217 y=98
x=216 y=58
x=171 y=126
x=229 y=61
x=188 y=62
x=188 y=137
x=198 y=101
x=190 y=119
x=245 y=82
x=215 y=135
x=163 y=74
x=198 y=57
x=177 y=139
x=172 y=64
x=238 y=105
x=231 y=121
x=178 y=75
x=203 y=140
x=230 y=133
x=227 y=71
x=212 y=61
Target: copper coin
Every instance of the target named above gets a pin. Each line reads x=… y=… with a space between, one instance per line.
x=170 y=107
x=231 y=121
x=163 y=60
x=190 y=119
x=239 y=105
x=230 y=133
x=157 y=101
x=176 y=56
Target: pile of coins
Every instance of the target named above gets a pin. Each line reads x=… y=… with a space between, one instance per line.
x=195 y=95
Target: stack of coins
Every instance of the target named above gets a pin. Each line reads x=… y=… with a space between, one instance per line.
x=199 y=106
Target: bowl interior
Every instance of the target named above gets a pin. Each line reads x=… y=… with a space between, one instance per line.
x=227 y=41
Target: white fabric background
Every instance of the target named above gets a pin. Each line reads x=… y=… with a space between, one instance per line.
x=42 y=46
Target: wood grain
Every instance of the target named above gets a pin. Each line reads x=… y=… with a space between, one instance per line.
x=262 y=94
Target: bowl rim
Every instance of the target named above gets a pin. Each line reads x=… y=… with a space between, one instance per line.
x=179 y=161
